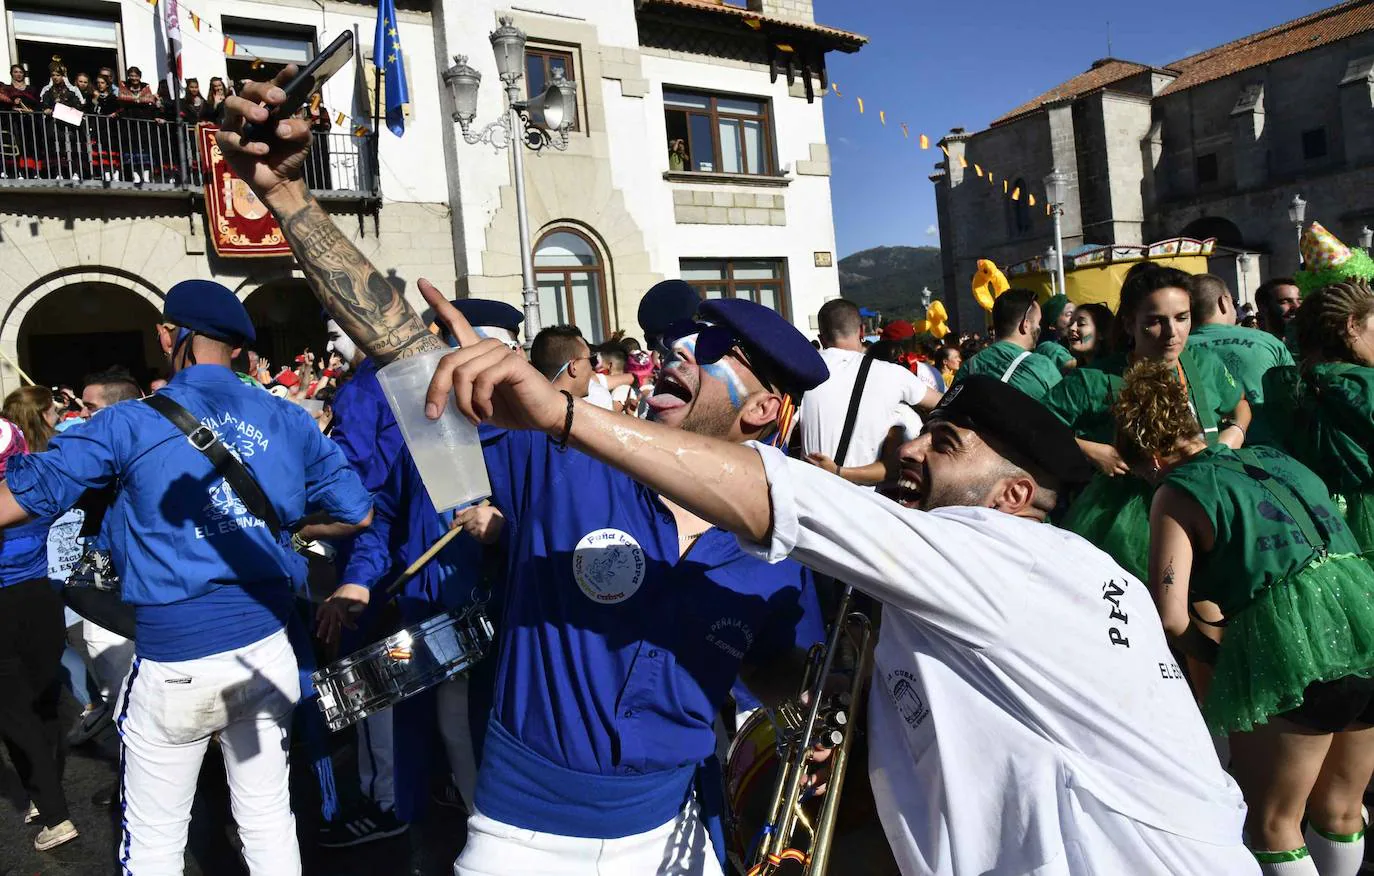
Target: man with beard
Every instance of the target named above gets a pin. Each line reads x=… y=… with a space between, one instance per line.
x=626 y=617
x=1026 y=716
x=1012 y=360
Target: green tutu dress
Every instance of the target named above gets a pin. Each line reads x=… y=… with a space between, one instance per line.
x=1285 y=571
x=1113 y=513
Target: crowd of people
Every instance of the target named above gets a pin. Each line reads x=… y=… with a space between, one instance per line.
x=96 y=125
x=1122 y=556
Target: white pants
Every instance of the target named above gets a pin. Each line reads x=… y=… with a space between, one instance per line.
x=111 y=655
x=452 y=698
x=166 y=715
x=377 y=759
x=679 y=848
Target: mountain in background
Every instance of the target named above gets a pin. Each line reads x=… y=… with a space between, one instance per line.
x=890 y=278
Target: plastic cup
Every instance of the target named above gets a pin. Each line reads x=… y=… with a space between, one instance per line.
x=447 y=451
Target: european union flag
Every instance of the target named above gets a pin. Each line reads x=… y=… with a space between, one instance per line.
x=386 y=50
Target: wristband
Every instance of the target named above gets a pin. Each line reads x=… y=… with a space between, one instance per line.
x=562 y=444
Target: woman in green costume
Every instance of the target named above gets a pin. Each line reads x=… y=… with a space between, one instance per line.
x=1152 y=323
x=1254 y=532
x=1090 y=332
x=1330 y=402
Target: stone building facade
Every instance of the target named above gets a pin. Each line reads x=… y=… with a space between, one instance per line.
x=86 y=255
x=1213 y=145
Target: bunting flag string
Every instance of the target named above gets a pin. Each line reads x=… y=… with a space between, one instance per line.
x=924 y=141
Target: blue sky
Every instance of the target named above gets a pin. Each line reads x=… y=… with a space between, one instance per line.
x=940 y=65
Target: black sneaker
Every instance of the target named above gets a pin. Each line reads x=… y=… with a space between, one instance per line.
x=370 y=826
x=450 y=798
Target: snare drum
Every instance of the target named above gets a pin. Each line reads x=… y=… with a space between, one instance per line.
x=401 y=665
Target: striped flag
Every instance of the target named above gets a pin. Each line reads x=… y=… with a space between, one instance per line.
x=925 y=142
x=834 y=86
x=171 y=21
x=230 y=47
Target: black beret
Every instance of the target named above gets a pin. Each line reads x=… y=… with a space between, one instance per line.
x=666 y=303
x=1006 y=414
x=207 y=308
x=762 y=331
x=484 y=311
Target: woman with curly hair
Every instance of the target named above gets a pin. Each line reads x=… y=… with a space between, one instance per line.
x=1328 y=403
x=1152 y=324
x=1254 y=532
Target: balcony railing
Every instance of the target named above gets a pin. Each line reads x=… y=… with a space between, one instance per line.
x=40 y=153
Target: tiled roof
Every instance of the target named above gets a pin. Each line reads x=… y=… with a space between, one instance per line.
x=1100 y=75
x=842 y=39
x=1310 y=32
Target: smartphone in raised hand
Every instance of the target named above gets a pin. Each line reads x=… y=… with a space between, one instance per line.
x=310 y=79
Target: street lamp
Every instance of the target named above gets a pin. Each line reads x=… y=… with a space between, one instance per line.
x=1243 y=262
x=1297 y=211
x=1052 y=259
x=1366 y=238
x=1056 y=193
x=537 y=122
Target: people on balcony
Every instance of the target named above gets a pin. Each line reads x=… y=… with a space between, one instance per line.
x=213 y=109
x=19 y=94
x=193 y=103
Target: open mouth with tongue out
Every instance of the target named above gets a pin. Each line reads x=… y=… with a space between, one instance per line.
x=670 y=392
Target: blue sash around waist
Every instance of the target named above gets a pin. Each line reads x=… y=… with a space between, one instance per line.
x=522 y=788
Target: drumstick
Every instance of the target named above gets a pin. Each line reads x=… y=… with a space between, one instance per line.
x=414 y=568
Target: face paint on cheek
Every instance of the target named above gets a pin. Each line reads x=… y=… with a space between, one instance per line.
x=725 y=373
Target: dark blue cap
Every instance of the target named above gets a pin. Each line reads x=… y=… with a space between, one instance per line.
x=666 y=303
x=789 y=359
x=207 y=308
x=484 y=311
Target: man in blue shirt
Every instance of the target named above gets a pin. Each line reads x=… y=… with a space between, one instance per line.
x=212 y=584
x=626 y=618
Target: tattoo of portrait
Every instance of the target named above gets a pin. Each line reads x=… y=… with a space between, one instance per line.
x=365 y=304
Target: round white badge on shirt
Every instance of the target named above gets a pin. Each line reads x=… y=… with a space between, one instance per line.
x=608 y=565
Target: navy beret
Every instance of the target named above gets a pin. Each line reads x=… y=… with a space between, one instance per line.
x=207 y=308
x=484 y=311
x=666 y=303
x=1018 y=422
x=762 y=331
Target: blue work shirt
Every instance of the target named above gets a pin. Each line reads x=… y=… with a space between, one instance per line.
x=204 y=574
x=615 y=654
x=24 y=550
x=364 y=427
x=404 y=526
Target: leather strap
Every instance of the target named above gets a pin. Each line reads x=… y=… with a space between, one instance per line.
x=226 y=465
x=852 y=415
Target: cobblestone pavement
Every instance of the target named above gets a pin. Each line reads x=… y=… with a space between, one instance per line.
x=426 y=850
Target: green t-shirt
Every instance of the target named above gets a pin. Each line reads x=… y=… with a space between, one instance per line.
x=1056 y=353
x=1327 y=419
x=1258 y=541
x=1248 y=354
x=1033 y=374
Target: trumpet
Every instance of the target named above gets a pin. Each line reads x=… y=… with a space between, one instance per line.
x=795 y=838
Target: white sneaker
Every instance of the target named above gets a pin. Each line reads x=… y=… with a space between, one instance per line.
x=52 y=837
x=33 y=814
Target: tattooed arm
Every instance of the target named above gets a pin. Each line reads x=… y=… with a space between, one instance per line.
x=365 y=304
x=367 y=307
x=1178 y=529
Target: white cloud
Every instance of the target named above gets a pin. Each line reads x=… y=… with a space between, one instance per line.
x=932 y=231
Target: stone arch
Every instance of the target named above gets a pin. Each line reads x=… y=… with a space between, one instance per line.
x=1224 y=230
x=19 y=306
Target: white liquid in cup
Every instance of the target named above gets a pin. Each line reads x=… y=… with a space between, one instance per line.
x=447 y=451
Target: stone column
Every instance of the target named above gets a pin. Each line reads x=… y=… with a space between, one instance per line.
x=1357 y=110
x=1249 y=148
x=1064 y=153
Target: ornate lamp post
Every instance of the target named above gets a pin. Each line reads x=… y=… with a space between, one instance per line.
x=538 y=122
x=1297 y=211
x=1056 y=192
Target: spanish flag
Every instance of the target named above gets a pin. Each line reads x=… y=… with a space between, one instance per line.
x=836 y=88
x=882 y=116
x=978 y=170
x=230 y=46
x=339 y=119
x=925 y=142
x=195 y=19
x=963 y=162
x=1030 y=199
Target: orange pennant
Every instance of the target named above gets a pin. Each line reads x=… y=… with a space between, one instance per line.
x=925 y=142
x=836 y=88
x=1016 y=194
x=978 y=170
x=1030 y=200
x=861 y=105
x=882 y=117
